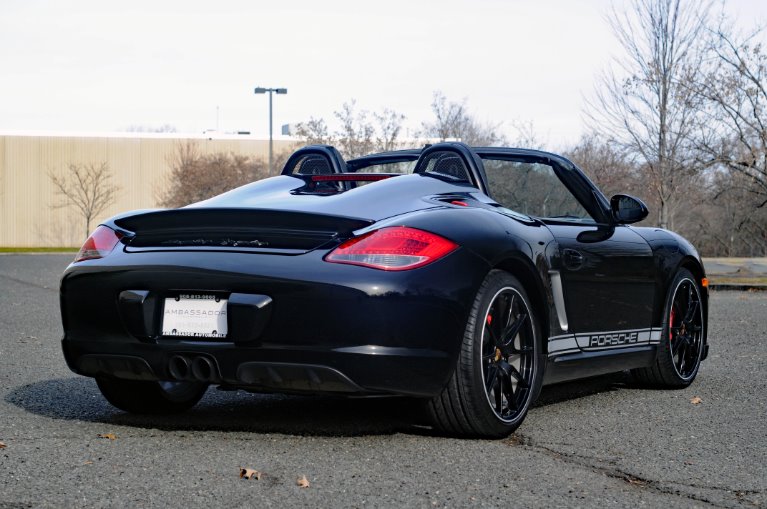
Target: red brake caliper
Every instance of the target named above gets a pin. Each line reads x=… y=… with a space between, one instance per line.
x=671 y=323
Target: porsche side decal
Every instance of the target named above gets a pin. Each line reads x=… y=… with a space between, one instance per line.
x=605 y=340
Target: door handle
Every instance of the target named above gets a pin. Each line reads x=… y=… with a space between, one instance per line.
x=573 y=259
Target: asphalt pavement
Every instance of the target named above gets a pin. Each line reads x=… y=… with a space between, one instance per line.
x=601 y=442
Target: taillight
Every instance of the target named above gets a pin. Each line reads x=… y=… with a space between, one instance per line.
x=101 y=242
x=395 y=248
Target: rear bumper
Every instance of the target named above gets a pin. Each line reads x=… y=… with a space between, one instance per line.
x=329 y=327
x=406 y=371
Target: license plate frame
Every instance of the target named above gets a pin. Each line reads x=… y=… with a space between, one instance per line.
x=196 y=315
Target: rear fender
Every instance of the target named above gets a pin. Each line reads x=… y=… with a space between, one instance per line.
x=501 y=242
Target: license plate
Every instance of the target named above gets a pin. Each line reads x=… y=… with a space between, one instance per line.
x=195 y=315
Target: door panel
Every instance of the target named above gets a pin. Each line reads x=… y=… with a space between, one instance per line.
x=607 y=277
x=606 y=271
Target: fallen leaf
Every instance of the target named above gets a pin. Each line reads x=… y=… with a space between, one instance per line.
x=88 y=463
x=2 y=445
x=110 y=436
x=249 y=473
x=302 y=482
x=696 y=400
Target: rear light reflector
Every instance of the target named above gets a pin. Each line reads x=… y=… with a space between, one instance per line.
x=395 y=248
x=101 y=242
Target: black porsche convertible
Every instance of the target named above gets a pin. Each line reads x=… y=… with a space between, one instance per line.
x=468 y=277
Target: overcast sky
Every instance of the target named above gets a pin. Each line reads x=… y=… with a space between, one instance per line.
x=100 y=66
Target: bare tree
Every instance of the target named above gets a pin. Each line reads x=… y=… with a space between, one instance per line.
x=735 y=89
x=736 y=223
x=281 y=157
x=360 y=132
x=195 y=177
x=452 y=120
x=608 y=167
x=526 y=135
x=355 y=137
x=88 y=188
x=645 y=104
x=388 y=125
x=314 y=132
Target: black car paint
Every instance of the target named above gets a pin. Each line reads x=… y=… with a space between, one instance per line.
x=615 y=273
x=326 y=314
x=339 y=316
x=670 y=253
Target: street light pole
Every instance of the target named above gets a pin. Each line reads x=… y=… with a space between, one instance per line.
x=262 y=90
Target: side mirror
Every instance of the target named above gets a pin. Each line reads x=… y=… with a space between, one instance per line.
x=627 y=209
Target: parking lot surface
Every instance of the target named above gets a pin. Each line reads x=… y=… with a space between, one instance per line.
x=600 y=442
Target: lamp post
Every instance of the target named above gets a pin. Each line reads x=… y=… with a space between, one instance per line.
x=262 y=90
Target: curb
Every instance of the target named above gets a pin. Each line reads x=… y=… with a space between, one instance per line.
x=739 y=287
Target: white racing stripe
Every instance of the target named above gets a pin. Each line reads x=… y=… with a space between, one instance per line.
x=605 y=340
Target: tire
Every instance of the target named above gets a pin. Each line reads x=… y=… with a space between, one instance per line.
x=143 y=397
x=499 y=371
x=681 y=345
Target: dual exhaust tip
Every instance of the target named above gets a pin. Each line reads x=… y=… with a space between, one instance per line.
x=198 y=368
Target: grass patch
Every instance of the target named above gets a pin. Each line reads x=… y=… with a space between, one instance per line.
x=22 y=250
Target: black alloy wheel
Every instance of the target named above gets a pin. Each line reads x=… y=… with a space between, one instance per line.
x=682 y=339
x=499 y=371
x=685 y=329
x=508 y=351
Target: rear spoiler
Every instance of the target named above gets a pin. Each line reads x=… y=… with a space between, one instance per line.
x=204 y=218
